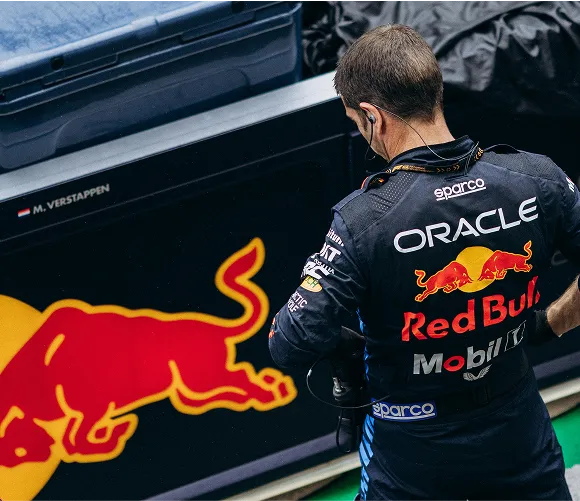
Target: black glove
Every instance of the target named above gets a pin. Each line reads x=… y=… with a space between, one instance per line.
x=539 y=330
x=348 y=373
x=351 y=344
x=347 y=357
x=348 y=354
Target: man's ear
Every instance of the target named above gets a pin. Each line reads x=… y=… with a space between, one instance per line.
x=370 y=110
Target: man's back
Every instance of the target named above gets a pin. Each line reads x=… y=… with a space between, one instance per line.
x=447 y=265
x=445 y=269
x=455 y=264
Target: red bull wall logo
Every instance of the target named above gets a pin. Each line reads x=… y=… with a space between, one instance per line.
x=72 y=376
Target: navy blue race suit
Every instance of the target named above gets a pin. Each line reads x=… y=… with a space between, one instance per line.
x=443 y=265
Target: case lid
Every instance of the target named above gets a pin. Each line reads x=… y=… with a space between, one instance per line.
x=45 y=43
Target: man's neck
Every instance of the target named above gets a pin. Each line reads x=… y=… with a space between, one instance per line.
x=431 y=132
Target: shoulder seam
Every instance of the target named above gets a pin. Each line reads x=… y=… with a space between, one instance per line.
x=533 y=176
x=346 y=200
x=382 y=215
x=529 y=156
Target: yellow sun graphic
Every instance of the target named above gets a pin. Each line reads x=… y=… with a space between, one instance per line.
x=473 y=258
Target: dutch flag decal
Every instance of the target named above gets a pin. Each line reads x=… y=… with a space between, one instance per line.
x=24 y=212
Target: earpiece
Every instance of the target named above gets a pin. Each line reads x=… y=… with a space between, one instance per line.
x=372 y=119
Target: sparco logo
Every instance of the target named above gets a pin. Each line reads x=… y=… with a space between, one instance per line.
x=407 y=412
x=459 y=189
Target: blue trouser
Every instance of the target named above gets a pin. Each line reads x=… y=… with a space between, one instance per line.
x=505 y=450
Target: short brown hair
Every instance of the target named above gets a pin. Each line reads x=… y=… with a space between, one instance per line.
x=394 y=68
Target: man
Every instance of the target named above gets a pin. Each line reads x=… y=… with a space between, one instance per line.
x=442 y=256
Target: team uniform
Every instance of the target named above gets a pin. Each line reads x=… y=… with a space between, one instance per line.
x=443 y=266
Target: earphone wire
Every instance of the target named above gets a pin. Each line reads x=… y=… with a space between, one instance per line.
x=369 y=146
x=469 y=159
x=455 y=159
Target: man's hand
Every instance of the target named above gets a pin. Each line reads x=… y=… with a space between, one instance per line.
x=539 y=330
x=351 y=344
x=347 y=357
x=564 y=313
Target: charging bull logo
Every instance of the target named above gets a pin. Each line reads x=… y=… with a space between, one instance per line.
x=500 y=262
x=69 y=388
x=479 y=262
x=452 y=277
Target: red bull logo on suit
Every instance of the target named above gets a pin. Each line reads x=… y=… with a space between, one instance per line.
x=474 y=269
x=472 y=262
x=76 y=373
